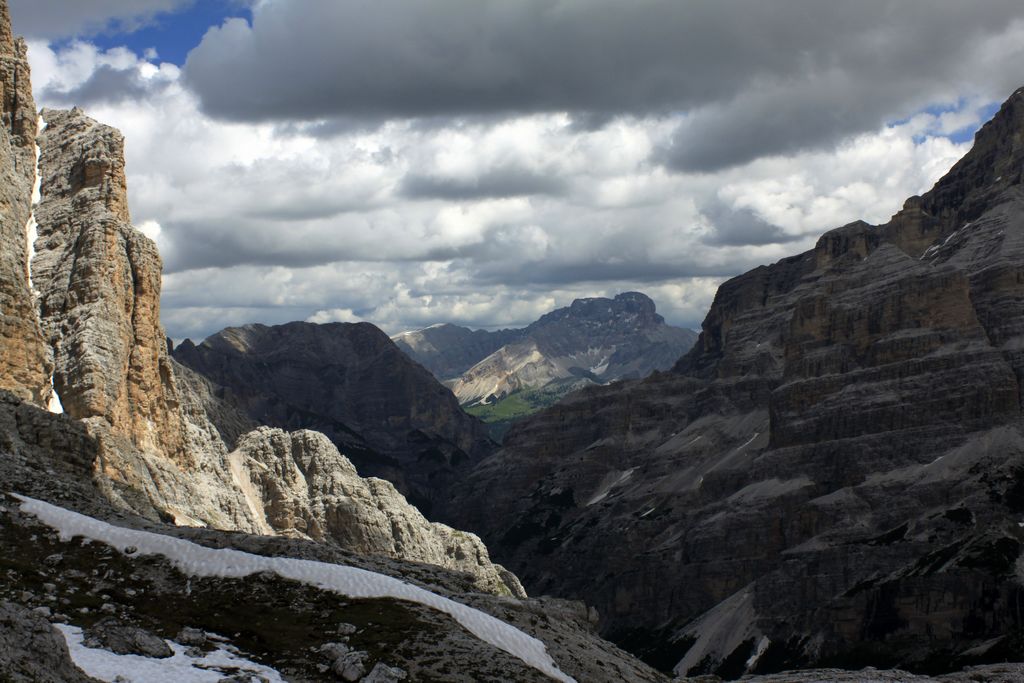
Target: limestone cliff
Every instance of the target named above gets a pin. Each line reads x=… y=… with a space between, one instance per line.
x=592 y=341
x=302 y=631
x=24 y=357
x=99 y=285
x=166 y=442
x=833 y=475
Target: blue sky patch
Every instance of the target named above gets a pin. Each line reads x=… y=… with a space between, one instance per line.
x=174 y=35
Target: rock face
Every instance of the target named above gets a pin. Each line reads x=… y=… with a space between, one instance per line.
x=305 y=488
x=99 y=284
x=98 y=281
x=595 y=340
x=386 y=413
x=833 y=475
x=24 y=357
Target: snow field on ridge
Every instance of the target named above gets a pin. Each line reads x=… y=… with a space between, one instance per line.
x=196 y=560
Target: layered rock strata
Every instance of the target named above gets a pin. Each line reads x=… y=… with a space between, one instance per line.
x=99 y=286
x=163 y=441
x=834 y=473
x=294 y=628
x=592 y=341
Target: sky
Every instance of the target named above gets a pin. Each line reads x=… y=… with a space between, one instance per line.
x=482 y=162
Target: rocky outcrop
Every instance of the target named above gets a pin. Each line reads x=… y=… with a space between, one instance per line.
x=159 y=435
x=98 y=282
x=33 y=651
x=99 y=285
x=305 y=488
x=350 y=382
x=833 y=474
x=24 y=357
x=595 y=340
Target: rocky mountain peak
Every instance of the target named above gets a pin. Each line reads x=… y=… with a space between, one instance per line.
x=973 y=186
x=630 y=309
x=18 y=106
x=349 y=381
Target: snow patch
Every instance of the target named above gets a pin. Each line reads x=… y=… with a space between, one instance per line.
x=31 y=235
x=32 y=227
x=607 y=484
x=934 y=249
x=212 y=667
x=756 y=434
x=762 y=647
x=199 y=561
x=54 y=405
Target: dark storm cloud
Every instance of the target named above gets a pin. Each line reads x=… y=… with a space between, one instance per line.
x=741 y=228
x=599 y=58
x=495 y=183
x=106 y=84
x=63 y=18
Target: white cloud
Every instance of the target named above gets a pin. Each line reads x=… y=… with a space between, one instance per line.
x=511 y=218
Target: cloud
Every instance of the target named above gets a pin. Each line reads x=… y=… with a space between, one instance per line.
x=106 y=84
x=52 y=19
x=739 y=227
x=750 y=78
x=496 y=183
x=486 y=221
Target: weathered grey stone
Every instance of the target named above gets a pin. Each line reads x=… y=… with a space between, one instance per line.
x=99 y=285
x=350 y=382
x=124 y=639
x=350 y=666
x=382 y=673
x=32 y=651
x=304 y=487
x=24 y=357
x=593 y=341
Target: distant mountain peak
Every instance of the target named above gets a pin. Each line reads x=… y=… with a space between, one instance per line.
x=591 y=341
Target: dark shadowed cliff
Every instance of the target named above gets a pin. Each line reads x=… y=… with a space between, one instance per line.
x=350 y=382
x=834 y=474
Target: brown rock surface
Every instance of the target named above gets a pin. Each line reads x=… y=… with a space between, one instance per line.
x=832 y=476
x=24 y=357
x=99 y=284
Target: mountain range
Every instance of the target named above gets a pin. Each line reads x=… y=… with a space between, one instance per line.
x=150 y=525
x=832 y=477
x=504 y=375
